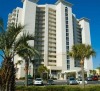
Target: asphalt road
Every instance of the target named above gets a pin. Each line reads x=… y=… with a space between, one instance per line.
x=56 y=82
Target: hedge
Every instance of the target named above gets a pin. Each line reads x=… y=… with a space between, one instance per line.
x=57 y=88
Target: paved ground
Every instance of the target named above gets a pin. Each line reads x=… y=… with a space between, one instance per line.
x=56 y=82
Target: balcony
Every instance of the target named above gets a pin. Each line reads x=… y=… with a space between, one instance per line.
x=52 y=24
x=52 y=45
x=52 y=49
x=39 y=36
x=39 y=44
x=52 y=33
x=14 y=10
x=39 y=39
x=52 y=20
x=40 y=22
x=52 y=41
x=52 y=10
x=52 y=17
x=52 y=36
x=52 y=63
x=52 y=28
x=54 y=54
x=52 y=13
x=51 y=58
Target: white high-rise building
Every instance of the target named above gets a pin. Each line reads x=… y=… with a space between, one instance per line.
x=56 y=30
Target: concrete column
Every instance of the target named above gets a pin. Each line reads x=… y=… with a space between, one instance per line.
x=50 y=74
x=88 y=73
x=76 y=74
x=65 y=76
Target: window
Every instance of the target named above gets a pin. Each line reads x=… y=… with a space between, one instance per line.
x=68 y=62
x=66 y=9
x=66 y=18
x=68 y=67
x=67 y=34
x=66 y=29
x=67 y=43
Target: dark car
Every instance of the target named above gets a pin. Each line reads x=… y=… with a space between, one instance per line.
x=95 y=78
x=89 y=78
x=50 y=82
x=30 y=82
x=72 y=81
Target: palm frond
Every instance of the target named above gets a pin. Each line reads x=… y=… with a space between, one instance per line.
x=23 y=39
x=12 y=33
x=1 y=25
x=81 y=51
x=27 y=50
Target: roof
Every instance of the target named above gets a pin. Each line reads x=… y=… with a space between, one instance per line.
x=31 y=0
x=64 y=2
x=84 y=18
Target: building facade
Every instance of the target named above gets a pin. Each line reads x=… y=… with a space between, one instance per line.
x=56 y=30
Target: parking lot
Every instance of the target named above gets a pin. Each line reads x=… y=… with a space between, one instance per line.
x=56 y=82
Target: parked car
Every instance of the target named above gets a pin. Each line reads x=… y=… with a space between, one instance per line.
x=30 y=82
x=99 y=77
x=95 y=78
x=38 y=81
x=88 y=78
x=79 y=80
x=72 y=81
x=50 y=82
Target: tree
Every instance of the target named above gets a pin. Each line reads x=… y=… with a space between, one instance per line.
x=35 y=62
x=93 y=72
x=81 y=52
x=18 y=62
x=98 y=69
x=11 y=40
x=42 y=69
x=27 y=53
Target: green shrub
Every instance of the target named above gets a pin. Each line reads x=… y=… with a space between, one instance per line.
x=71 y=88
x=94 y=88
x=55 y=88
x=32 y=88
x=58 y=88
x=22 y=78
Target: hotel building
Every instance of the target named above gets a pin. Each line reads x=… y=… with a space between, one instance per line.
x=56 y=30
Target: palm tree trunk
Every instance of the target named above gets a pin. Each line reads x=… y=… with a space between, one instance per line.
x=34 y=71
x=26 y=73
x=6 y=75
x=82 y=69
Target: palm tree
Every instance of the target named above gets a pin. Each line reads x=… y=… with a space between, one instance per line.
x=19 y=62
x=81 y=52
x=10 y=43
x=35 y=62
x=27 y=54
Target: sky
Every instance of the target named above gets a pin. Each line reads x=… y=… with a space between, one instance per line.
x=82 y=8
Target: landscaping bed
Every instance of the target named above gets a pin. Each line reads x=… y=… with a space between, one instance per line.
x=58 y=88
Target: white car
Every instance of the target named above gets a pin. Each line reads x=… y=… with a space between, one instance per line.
x=80 y=81
x=38 y=81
